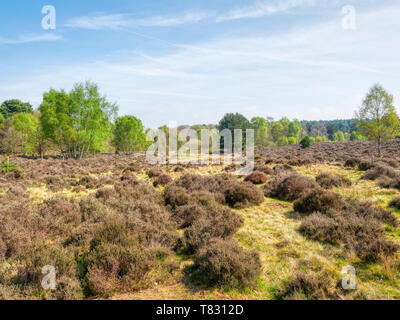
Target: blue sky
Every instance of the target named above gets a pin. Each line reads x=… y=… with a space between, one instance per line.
x=193 y=61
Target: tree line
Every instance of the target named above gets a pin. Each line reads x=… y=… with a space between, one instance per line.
x=83 y=121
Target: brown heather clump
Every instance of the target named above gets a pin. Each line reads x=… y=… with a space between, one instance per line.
x=289 y=187
x=388 y=183
x=257 y=177
x=284 y=170
x=242 y=195
x=186 y=215
x=265 y=169
x=176 y=196
x=63 y=259
x=362 y=234
x=220 y=224
x=380 y=171
x=395 y=203
x=307 y=286
x=154 y=172
x=106 y=193
x=328 y=181
x=223 y=263
x=162 y=180
x=318 y=200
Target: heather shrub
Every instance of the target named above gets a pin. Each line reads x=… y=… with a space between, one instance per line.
x=176 y=196
x=373 y=249
x=265 y=169
x=388 y=183
x=318 y=200
x=395 y=203
x=62 y=259
x=328 y=181
x=186 y=215
x=284 y=170
x=221 y=224
x=162 y=180
x=225 y=263
x=242 y=195
x=379 y=171
x=106 y=193
x=117 y=261
x=352 y=162
x=290 y=187
x=364 y=235
x=307 y=286
x=154 y=172
x=257 y=177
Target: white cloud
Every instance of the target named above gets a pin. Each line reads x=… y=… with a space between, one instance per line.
x=117 y=21
x=264 y=8
x=317 y=72
x=32 y=38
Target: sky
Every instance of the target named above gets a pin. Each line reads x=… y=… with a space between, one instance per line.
x=191 y=62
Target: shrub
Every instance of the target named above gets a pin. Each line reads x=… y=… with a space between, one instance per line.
x=225 y=263
x=307 y=286
x=8 y=166
x=327 y=180
x=388 y=183
x=176 y=196
x=318 y=200
x=290 y=187
x=154 y=172
x=106 y=193
x=305 y=142
x=395 y=203
x=186 y=215
x=265 y=169
x=222 y=224
x=257 y=177
x=242 y=195
x=379 y=171
x=373 y=249
x=62 y=259
x=162 y=180
x=352 y=162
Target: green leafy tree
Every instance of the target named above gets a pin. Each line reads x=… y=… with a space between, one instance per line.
x=129 y=134
x=292 y=140
x=294 y=129
x=339 y=136
x=11 y=107
x=305 y=142
x=377 y=118
x=233 y=121
x=78 y=122
x=355 y=136
x=26 y=125
x=278 y=133
x=261 y=131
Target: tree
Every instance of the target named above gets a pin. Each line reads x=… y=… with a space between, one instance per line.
x=26 y=125
x=233 y=121
x=278 y=134
x=78 y=122
x=10 y=107
x=129 y=134
x=294 y=129
x=305 y=142
x=261 y=129
x=339 y=136
x=319 y=130
x=356 y=136
x=377 y=118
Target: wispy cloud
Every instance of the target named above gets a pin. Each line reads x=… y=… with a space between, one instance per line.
x=264 y=8
x=118 y=21
x=32 y=38
x=297 y=73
